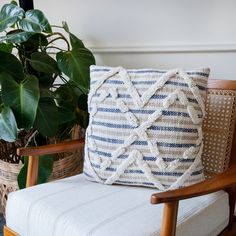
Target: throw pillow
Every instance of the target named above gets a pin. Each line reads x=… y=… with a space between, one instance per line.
x=145 y=127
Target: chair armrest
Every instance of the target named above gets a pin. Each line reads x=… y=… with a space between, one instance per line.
x=51 y=148
x=218 y=182
x=35 y=152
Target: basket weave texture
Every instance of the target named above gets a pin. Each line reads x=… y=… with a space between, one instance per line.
x=218 y=130
x=64 y=165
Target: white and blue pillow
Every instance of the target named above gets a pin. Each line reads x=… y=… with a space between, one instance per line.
x=145 y=127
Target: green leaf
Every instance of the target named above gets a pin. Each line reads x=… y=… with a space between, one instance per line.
x=35 y=21
x=65 y=26
x=8 y=125
x=75 y=64
x=35 y=41
x=83 y=102
x=42 y=62
x=22 y=97
x=82 y=117
x=9 y=15
x=22 y=176
x=17 y=37
x=46 y=80
x=45 y=168
x=14 y=3
x=65 y=115
x=66 y=96
x=46 y=121
x=44 y=171
x=76 y=42
x=70 y=98
x=11 y=65
x=5 y=47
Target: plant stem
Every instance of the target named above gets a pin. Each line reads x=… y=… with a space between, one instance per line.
x=53 y=40
x=61 y=37
x=31 y=137
x=63 y=79
x=50 y=47
x=57 y=26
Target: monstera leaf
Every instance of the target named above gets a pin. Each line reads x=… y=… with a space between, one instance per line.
x=9 y=15
x=5 y=47
x=37 y=40
x=46 y=121
x=76 y=62
x=42 y=62
x=11 y=65
x=8 y=124
x=17 y=37
x=35 y=21
x=72 y=104
x=22 y=97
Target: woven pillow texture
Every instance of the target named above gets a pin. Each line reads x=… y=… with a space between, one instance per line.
x=145 y=127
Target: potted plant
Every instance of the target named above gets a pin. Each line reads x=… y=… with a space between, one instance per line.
x=44 y=81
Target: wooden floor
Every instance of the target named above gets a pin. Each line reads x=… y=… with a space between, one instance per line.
x=231 y=233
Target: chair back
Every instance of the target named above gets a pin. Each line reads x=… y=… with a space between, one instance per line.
x=218 y=127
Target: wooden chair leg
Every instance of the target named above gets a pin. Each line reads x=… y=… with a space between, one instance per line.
x=9 y=232
x=32 y=173
x=168 y=227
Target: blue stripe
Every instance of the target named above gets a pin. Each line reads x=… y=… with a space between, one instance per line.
x=134 y=183
x=179 y=84
x=157 y=173
x=175 y=145
x=143 y=143
x=198 y=172
x=107 y=140
x=145 y=158
x=184 y=84
x=155 y=96
x=110 y=125
x=162 y=128
x=121 y=182
x=130 y=71
x=139 y=111
x=85 y=173
x=100 y=153
x=175 y=173
x=150 y=71
x=175 y=129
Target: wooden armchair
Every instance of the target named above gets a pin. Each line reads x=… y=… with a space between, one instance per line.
x=219 y=159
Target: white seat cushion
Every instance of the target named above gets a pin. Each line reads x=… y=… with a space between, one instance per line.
x=77 y=207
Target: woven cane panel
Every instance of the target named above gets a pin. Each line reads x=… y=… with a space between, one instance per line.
x=218 y=128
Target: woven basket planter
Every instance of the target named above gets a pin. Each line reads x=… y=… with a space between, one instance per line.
x=64 y=165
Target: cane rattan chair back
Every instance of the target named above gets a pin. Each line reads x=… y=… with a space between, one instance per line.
x=218 y=128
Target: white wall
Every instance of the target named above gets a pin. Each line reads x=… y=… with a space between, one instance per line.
x=153 y=33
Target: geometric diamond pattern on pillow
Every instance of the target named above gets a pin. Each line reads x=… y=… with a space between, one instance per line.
x=145 y=127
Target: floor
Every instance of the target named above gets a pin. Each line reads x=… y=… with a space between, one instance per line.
x=231 y=233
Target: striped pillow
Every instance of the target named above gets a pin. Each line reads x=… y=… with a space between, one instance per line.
x=145 y=127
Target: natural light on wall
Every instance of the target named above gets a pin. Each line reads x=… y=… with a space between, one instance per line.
x=154 y=33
